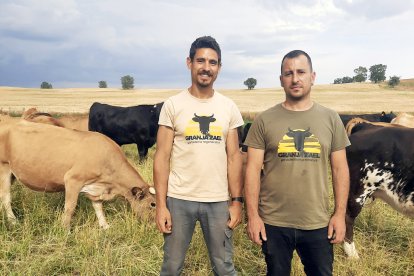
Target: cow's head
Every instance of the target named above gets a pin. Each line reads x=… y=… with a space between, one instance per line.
x=204 y=122
x=299 y=137
x=387 y=117
x=142 y=201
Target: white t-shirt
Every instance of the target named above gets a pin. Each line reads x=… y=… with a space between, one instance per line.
x=198 y=159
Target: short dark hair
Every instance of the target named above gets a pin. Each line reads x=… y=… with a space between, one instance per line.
x=205 y=42
x=293 y=54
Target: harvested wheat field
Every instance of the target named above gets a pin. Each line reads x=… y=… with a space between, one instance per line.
x=344 y=98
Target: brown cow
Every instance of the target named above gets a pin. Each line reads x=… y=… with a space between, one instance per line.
x=52 y=159
x=75 y=122
x=32 y=115
x=404 y=119
x=355 y=121
x=67 y=121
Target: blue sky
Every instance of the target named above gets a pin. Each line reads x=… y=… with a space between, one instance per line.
x=77 y=43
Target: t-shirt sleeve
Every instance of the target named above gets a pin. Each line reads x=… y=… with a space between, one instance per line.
x=167 y=114
x=340 y=139
x=236 y=117
x=255 y=137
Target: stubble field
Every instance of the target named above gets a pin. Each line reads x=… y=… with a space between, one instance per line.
x=344 y=98
x=39 y=246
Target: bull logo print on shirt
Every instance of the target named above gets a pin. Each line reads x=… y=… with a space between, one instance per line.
x=299 y=143
x=204 y=122
x=203 y=129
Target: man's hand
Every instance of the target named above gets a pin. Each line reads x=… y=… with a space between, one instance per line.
x=163 y=219
x=336 y=228
x=256 y=230
x=235 y=210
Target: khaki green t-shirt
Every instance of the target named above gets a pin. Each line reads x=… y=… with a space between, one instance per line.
x=294 y=189
x=198 y=158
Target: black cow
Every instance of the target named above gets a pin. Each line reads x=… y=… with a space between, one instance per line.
x=381 y=165
x=242 y=132
x=374 y=117
x=127 y=125
x=299 y=137
x=204 y=122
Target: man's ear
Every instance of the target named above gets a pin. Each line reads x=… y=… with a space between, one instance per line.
x=313 y=77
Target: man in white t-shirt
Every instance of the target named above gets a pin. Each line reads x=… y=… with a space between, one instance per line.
x=198 y=166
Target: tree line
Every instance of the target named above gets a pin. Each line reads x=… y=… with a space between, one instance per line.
x=127 y=83
x=377 y=74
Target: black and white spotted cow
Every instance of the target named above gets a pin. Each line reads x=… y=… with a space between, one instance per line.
x=381 y=165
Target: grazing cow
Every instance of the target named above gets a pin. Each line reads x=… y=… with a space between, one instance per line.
x=355 y=124
x=204 y=122
x=404 y=119
x=32 y=115
x=127 y=125
x=299 y=136
x=243 y=135
x=53 y=159
x=67 y=121
x=381 y=165
x=374 y=117
x=79 y=122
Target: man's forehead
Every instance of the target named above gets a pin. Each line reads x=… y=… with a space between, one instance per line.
x=299 y=62
x=205 y=51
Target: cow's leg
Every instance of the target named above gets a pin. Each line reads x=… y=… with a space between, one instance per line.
x=5 y=195
x=353 y=210
x=72 y=189
x=142 y=151
x=97 y=205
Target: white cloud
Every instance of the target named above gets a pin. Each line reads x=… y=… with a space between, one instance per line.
x=74 y=41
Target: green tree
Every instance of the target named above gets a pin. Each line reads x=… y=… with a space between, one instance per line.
x=102 y=84
x=127 y=82
x=250 y=83
x=46 y=85
x=347 y=79
x=394 y=81
x=338 y=81
x=377 y=73
x=361 y=74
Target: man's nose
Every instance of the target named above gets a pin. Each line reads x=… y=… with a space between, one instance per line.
x=206 y=66
x=295 y=77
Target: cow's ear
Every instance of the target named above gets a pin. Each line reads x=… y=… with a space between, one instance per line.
x=137 y=193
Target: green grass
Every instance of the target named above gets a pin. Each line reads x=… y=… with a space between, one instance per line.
x=38 y=245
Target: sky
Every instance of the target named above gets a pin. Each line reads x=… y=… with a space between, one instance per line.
x=77 y=43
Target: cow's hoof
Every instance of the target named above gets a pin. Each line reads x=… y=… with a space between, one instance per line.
x=351 y=251
x=105 y=226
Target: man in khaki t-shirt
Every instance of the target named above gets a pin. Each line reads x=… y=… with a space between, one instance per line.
x=288 y=201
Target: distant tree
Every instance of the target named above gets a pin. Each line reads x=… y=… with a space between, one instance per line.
x=377 y=73
x=102 y=84
x=394 y=81
x=347 y=79
x=360 y=74
x=338 y=81
x=46 y=85
x=250 y=83
x=127 y=82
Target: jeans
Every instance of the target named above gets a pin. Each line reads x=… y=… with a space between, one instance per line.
x=312 y=246
x=213 y=218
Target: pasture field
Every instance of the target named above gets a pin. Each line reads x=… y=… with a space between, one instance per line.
x=344 y=98
x=38 y=245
